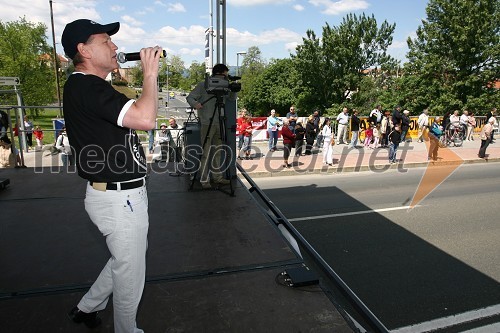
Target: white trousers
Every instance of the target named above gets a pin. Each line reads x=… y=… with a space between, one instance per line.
x=327 y=150
x=342 y=133
x=122 y=217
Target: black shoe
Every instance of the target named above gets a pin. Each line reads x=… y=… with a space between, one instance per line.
x=89 y=319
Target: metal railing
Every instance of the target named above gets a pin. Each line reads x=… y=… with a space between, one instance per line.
x=375 y=324
x=21 y=130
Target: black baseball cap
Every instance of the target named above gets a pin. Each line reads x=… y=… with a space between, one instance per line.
x=79 y=31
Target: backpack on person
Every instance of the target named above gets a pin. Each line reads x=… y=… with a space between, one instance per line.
x=436 y=130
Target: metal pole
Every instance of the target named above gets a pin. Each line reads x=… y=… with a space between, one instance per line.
x=168 y=94
x=237 y=62
x=238 y=71
x=23 y=144
x=223 y=4
x=210 y=63
x=56 y=69
x=237 y=74
x=218 y=37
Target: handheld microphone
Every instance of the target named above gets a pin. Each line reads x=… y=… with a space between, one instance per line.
x=134 y=56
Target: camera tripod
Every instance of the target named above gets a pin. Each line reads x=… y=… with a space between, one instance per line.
x=220 y=107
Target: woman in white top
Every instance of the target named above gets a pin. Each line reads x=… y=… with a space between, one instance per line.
x=376 y=136
x=62 y=143
x=328 y=142
x=273 y=124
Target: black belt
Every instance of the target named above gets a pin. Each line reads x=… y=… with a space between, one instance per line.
x=123 y=185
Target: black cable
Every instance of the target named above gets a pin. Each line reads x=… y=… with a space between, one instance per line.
x=284 y=280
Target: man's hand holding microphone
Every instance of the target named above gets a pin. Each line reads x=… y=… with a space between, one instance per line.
x=147 y=104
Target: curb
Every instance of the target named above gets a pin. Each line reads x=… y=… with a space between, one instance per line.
x=362 y=168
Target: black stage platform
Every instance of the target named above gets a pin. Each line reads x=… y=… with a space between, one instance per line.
x=211 y=262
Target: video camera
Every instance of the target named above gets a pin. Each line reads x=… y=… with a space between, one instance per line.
x=219 y=85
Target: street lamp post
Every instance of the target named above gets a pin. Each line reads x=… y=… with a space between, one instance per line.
x=56 y=69
x=238 y=70
x=238 y=62
x=168 y=92
x=167 y=83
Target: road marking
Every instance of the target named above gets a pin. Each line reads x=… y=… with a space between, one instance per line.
x=445 y=322
x=485 y=329
x=381 y=210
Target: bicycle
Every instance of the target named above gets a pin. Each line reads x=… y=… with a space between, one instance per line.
x=453 y=133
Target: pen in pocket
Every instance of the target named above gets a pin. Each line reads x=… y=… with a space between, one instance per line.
x=130 y=205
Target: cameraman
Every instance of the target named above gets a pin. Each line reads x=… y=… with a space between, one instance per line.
x=206 y=104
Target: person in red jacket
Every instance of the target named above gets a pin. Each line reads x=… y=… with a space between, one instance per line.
x=288 y=142
x=239 y=121
x=246 y=130
x=38 y=133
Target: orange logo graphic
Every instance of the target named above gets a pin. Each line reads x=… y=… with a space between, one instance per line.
x=436 y=173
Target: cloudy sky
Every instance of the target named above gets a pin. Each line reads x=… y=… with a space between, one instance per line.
x=275 y=26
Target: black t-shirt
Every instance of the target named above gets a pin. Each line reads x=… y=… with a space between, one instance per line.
x=316 y=123
x=355 y=123
x=299 y=133
x=310 y=131
x=105 y=151
x=395 y=137
x=396 y=117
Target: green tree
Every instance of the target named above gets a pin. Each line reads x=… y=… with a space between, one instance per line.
x=137 y=74
x=24 y=53
x=251 y=68
x=332 y=67
x=455 y=58
x=196 y=74
x=173 y=67
x=274 y=88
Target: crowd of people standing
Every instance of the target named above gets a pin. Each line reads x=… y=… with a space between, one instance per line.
x=383 y=129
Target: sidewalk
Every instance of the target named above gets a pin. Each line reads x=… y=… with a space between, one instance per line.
x=410 y=155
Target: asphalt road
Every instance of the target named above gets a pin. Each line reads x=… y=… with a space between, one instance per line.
x=177 y=106
x=433 y=266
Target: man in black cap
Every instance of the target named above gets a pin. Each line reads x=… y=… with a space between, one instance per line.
x=101 y=124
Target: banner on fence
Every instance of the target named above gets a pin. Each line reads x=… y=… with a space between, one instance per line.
x=259 y=125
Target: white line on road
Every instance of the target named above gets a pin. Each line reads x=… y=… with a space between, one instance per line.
x=485 y=329
x=444 y=322
x=381 y=210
